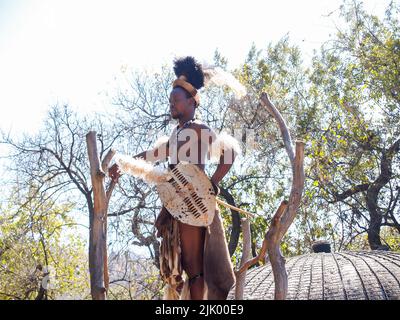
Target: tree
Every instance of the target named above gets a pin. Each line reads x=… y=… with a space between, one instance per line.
x=41 y=256
x=355 y=88
x=56 y=162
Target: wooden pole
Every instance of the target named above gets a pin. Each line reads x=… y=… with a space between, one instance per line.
x=281 y=224
x=264 y=248
x=246 y=255
x=98 y=264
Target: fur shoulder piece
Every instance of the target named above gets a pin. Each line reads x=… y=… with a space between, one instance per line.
x=222 y=143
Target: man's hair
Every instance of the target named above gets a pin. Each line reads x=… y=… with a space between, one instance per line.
x=191 y=69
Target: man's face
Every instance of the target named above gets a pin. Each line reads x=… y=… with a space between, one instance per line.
x=179 y=104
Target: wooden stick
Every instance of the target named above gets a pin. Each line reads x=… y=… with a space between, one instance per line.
x=264 y=248
x=104 y=164
x=246 y=255
x=97 y=236
x=286 y=212
x=227 y=205
x=296 y=190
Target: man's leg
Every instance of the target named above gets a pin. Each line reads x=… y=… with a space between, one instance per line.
x=192 y=246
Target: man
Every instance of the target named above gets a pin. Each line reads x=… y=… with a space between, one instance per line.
x=190 y=141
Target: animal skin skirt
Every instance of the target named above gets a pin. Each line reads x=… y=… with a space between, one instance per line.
x=218 y=270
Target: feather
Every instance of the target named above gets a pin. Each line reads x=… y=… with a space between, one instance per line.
x=220 y=77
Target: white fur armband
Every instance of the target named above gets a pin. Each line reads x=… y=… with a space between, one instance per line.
x=140 y=168
x=224 y=142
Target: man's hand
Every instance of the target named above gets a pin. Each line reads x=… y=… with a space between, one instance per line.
x=114 y=173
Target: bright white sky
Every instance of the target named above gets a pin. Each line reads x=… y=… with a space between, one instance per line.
x=70 y=51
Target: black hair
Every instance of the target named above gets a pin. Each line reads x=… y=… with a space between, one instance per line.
x=191 y=69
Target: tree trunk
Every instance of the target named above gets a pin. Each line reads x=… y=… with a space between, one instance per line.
x=384 y=177
x=246 y=255
x=374 y=231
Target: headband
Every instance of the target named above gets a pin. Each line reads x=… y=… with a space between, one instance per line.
x=181 y=82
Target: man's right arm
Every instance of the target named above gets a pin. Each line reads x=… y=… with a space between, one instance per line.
x=157 y=154
x=160 y=153
x=142 y=155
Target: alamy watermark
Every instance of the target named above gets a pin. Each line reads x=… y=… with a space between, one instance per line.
x=198 y=146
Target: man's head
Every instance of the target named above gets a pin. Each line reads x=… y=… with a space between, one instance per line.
x=184 y=97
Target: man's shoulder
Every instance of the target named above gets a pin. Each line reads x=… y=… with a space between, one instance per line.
x=203 y=131
x=198 y=125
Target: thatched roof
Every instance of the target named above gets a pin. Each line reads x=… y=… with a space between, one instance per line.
x=347 y=275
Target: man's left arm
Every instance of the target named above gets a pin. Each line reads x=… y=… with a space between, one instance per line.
x=227 y=156
x=223 y=166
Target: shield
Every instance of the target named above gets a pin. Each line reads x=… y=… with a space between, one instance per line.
x=188 y=195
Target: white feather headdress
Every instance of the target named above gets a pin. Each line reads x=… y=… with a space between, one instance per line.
x=220 y=77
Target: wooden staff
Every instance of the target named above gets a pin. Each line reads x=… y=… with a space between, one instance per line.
x=234 y=208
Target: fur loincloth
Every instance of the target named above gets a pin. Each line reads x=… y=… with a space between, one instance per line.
x=218 y=270
x=170 y=260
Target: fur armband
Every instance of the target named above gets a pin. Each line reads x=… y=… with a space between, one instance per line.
x=224 y=142
x=140 y=168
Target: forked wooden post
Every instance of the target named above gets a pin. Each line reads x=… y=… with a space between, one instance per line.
x=286 y=212
x=280 y=225
x=98 y=264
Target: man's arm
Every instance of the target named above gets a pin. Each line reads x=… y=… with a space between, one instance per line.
x=222 y=168
x=226 y=159
x=157 y=154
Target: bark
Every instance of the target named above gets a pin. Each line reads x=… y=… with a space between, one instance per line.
x=268 y=237
x=281 y=224
x=350 y=192
x=281 y=124
x=384 y=177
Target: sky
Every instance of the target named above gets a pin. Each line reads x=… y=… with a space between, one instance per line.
x=70 y=51
x=56 y=51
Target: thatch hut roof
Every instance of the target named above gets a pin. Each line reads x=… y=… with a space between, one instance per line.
x=347 y=275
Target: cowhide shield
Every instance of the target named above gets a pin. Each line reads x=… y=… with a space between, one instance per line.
x=188 y=195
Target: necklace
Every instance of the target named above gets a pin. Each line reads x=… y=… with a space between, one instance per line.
x=185 y=125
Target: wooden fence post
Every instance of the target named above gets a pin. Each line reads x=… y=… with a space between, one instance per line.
x=98 y=264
